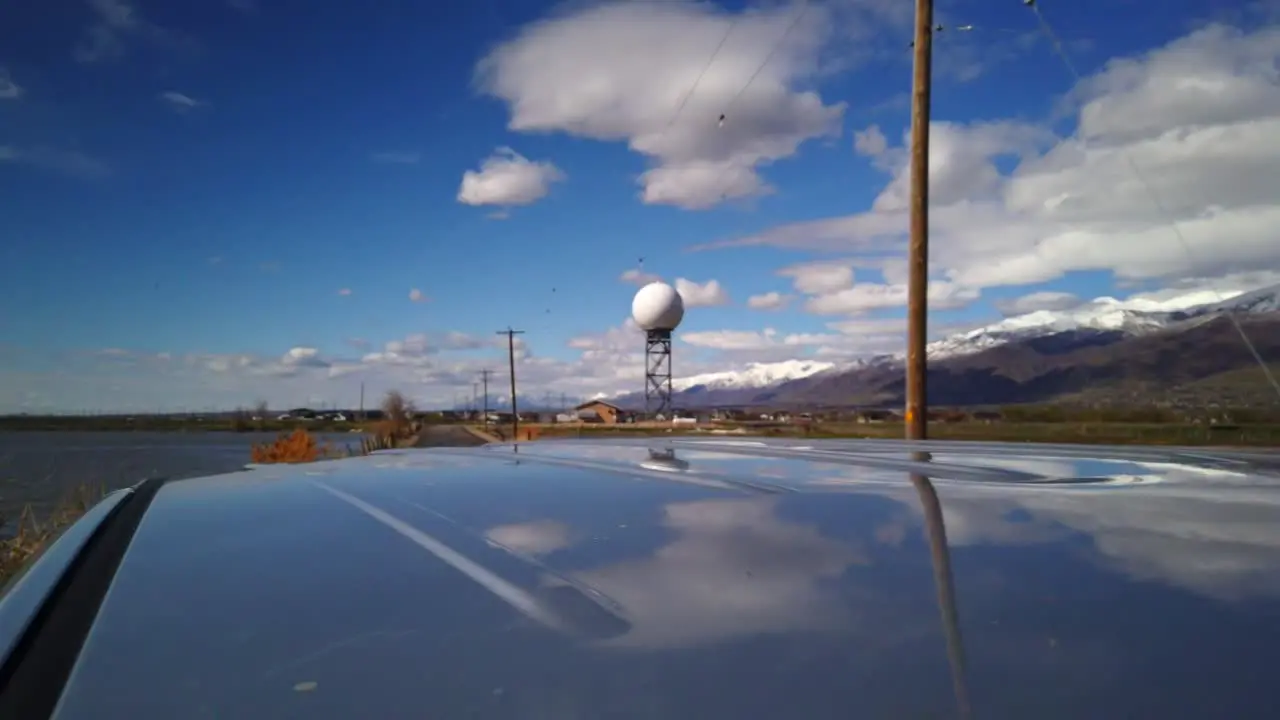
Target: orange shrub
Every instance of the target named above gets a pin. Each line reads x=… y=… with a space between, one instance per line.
x=295 y=447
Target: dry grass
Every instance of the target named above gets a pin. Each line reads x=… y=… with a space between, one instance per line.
x=33 y=534
x=295 y=447
x=300 y=447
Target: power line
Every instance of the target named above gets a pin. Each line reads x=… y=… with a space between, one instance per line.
x=698 y=81
x=724 y=113
x=1150 y=190
x=767 y=59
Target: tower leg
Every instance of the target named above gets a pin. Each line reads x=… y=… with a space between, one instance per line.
x=657 y=376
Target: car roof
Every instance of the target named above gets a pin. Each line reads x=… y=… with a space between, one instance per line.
x=708 y=578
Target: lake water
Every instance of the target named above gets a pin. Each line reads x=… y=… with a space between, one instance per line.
x=39 y=468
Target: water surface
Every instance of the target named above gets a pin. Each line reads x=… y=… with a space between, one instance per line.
x=39 y=468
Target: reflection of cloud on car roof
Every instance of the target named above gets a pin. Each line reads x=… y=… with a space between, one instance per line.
x=733 y=569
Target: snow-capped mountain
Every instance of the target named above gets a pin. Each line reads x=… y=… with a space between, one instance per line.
x=1103 y=315
x=1097 y=322
x=754 y=375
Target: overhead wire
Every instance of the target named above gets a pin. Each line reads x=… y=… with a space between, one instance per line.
x=1161 y=208
x=693 y=88
x=703 y=73
x=724 y=113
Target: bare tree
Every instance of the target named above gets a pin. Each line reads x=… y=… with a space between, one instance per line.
x=397 y=411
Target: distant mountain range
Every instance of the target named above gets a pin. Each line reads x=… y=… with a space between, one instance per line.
x=1103 y=351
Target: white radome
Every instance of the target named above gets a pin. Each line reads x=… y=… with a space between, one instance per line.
x=657 y=307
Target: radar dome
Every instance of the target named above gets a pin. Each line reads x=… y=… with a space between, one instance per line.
x=657 y=307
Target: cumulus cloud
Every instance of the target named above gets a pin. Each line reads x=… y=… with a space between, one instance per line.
x=1046 y=300
x=639 y=277
x=1195 y=123
x=1208 y=531
x=593 y=73
x=714 y=541
x=870 y=142
x=825 y=276
x=943 y=295
x=704 y=294
x=768 y=301
x=507 y=178
x=540 y=537
x=766 y=339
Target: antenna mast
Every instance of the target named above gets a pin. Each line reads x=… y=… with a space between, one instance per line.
x=917 y=410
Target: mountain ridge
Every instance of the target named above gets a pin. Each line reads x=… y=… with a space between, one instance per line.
x=1142 y=353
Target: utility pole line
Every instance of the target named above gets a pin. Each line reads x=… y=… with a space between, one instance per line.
x=511 y=358
x=475 y=396
x=917 y=411
x=484 y=374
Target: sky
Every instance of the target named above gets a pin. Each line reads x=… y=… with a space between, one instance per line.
x=218 y=202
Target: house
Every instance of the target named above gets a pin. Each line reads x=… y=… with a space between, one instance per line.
x=598 y=411
x=875 y=416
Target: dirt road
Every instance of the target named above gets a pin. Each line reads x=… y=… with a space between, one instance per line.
x=446 y=436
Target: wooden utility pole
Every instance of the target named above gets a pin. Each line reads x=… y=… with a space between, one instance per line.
x=511 y=358
x=918 y=254
x=484 y=376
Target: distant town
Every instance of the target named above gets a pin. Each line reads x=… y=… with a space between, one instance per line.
x=603 y=412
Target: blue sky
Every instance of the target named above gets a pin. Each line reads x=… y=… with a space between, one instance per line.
x=190 y=182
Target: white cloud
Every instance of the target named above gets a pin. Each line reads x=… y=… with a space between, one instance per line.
x=540 y=537
x=415 y=295
x=1207 y=531
x=506 y=178
x=1198 y=118
x=676 y=597
x=860 y=298
x=754 y=339
x=593 y=73
x=870 y=142
x=704 y=294
x=636 y=276
x=180 y=102
x=768 y=301
x=9 y=90
x=823 y=276
x=1045 y=300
